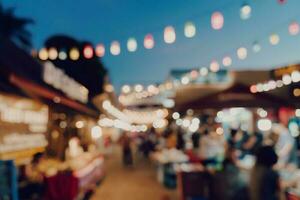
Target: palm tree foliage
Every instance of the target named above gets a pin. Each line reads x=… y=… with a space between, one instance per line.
x=13 y=27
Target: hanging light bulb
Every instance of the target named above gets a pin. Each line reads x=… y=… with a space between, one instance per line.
x=203 y=71
x=148 y=41
x=227 y=61
x=88 y=52
x=43 y=54
x=217 y=20
x=214 y=66
x=62 y=55
x=74 y=54
x=256 y=47
x=100 y=50
x=274 y=39
x=245 y=11
x=189 y=30
x=242 y=53
x=131 y=45
x=115 y=48
x=52 y=53
x=294 y=28
x=169 y=35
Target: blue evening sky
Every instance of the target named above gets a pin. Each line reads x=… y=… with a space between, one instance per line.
x=102 y=21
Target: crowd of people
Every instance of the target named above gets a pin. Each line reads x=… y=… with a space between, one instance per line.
x=265 y=154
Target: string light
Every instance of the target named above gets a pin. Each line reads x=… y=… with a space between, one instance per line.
x=126 y=89
x=131 y=45
x=185 y=80
x=88 y=52
x=203 y=71
x=295 y=76
x=138 y=88
x=189 y=30
x=227 y=61
x=100 y=50
x=169 y=35
x=62 y=55
x=274 y=39
x=245 y=12
x=242 y=53
x=43 y=54
x=286 y=79
x=214 y=66
x=53 y=53
x=74 y=54
x=294 y=28
x=256 y=47
x=115 y=48
x=217 y=20
x=148 y=41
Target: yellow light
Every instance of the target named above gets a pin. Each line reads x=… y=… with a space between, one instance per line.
x=131 y=45
x=242 y=53
x=296 y=92
x=214 y=66
x=74 y=54
x=115 y=48
x=169 y=35
x=79 y=124
x=52 y=53
x=274 y=39
x=189 y=30
x=43 y=54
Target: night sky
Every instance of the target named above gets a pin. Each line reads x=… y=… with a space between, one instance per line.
x=102 y=21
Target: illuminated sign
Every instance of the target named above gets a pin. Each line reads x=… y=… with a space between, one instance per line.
x=16 y=142
x=58 y=79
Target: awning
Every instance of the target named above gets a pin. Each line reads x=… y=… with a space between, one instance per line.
x=237 y=95
x=31 y=87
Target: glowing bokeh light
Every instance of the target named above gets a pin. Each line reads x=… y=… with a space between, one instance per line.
x=214 y=66
x=227 y=61
x=88 y=52
x=217 y=20
x=245 y=11
x=274 y=39
x=74 y=54
x=148 y=41
x=169 y=35
x=52 y=53
x=115 y=48
x=100 y=50
x=294 y=28
x=132 y=45
x=242 y=53
x=189 y=30
x=43 y=54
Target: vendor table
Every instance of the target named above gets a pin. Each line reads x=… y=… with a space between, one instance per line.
x=69 y=185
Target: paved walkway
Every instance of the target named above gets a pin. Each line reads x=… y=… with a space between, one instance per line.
x=136 y=183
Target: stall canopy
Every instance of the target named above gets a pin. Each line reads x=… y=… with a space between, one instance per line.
x=238 y=95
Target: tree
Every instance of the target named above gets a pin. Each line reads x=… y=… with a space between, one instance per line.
x=13 y=27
